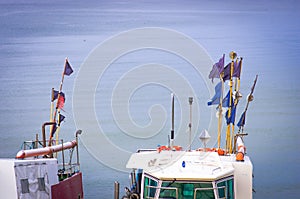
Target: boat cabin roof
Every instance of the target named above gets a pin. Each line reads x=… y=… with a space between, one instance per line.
x=183 y=165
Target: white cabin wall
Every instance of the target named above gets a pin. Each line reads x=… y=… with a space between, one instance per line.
x=243 y=179
x=8 y=187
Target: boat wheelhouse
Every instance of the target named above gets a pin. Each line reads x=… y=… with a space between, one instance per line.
x=190 y=175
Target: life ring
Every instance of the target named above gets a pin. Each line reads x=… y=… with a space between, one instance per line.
x=167 y=148
x=207 y=149
x=134 y=196
x=241 y=150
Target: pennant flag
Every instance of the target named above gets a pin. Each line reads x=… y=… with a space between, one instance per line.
x=217 y=69
x=55 y=95
x=54 y=127
x=216 y=97
x=61 y=101
x=225 y=101
x=68 y=69
x=227 y=72
x=237 y=69
x=61 y=118
x=231 y=119
x=242 y=120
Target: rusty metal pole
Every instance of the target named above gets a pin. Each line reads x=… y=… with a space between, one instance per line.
x=116 y=190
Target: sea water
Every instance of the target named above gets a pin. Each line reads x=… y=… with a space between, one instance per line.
x=36 y=37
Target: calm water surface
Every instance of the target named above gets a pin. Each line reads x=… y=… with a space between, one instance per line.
x=36 y=37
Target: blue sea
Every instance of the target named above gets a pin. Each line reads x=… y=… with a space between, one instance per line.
x=126 y=65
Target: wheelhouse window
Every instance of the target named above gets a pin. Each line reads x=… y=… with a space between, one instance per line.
x=186 y=190
x=150 y=186
x=175 y=189
x=225 y=188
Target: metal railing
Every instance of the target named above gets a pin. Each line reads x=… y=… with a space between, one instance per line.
x=159 y=188
x=209 y=188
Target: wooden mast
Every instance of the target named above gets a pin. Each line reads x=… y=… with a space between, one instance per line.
x=57 y=109
x=228 y=131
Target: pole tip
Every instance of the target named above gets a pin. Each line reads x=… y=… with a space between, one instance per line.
x=232 y=55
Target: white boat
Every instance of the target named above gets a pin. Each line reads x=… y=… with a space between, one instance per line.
x=169 y=172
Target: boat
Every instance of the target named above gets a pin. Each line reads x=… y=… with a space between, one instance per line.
x=45 y=168
x=172 y=172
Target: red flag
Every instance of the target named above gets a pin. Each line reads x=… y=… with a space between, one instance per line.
x=61 y=102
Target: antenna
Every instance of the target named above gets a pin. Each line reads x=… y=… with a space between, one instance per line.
x=190 y=124
x=172 y=128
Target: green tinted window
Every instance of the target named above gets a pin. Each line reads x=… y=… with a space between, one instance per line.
x=186 y=190
x=225 y=189
x=230 y=191
x=221 y=189
x=149 y=191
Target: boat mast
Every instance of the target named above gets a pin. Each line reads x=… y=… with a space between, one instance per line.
x=57 y=109
x=220 y=112
x=241 y=122
x=221 y=74
x=172 y=125
x=237 y=96
x=190 y=124
x=249 y=99
x=232 y=56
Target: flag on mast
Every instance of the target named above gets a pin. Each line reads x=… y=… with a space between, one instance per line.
x=61 y=118
x=216 y=97
x=226 y=99
x=55 y=95
x=236 y=70
x=61 y=102
x=231 y=118
x=242 y=120
x=217 y=69
x=68 y=69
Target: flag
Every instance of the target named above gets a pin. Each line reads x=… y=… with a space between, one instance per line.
x=225 y=101
x=230 y=119
x=61 y=101
x=227 y=72
x=216 y=97
x=68 y=69
x=54 y=127
x=217 y=69
x=61 y=118
x=242 y=120
x=236 y=70
x=55 y=95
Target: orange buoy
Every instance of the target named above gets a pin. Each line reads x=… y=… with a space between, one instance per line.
x=220 y=151
x=241 y=150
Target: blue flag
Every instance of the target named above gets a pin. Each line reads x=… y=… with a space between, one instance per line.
x=68 y=69
x=242 y=120
x=231 y=119
x=61 y=118
x=225 y=101
x=54 y=127
x=55 y=95
x=216 y=97
x=217 y=69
